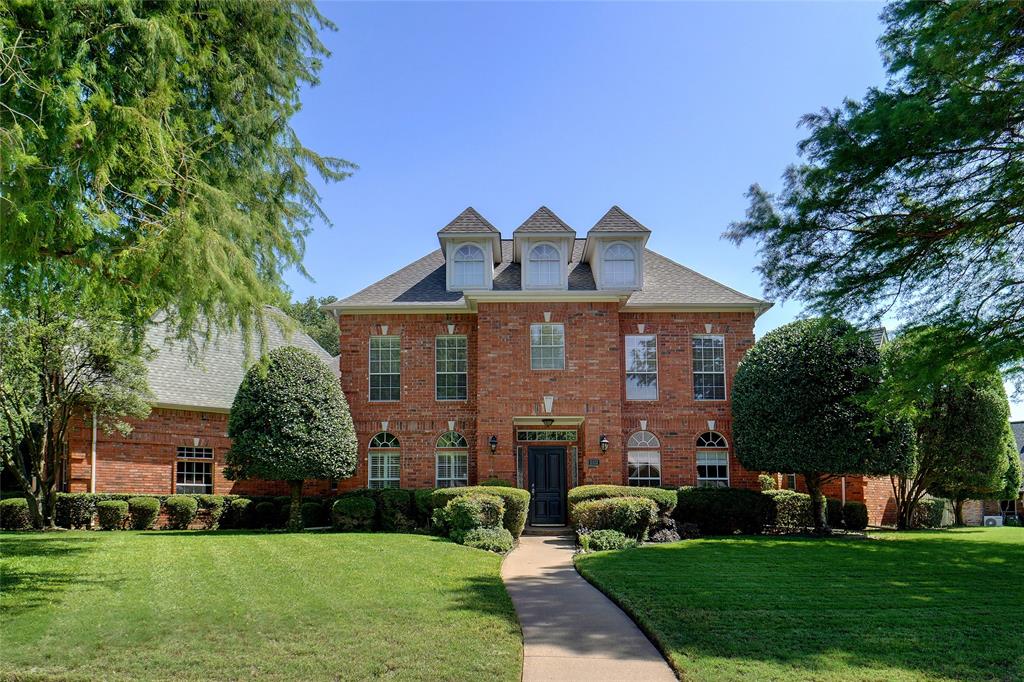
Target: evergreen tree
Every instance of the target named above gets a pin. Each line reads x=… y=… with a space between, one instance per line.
x=321 y=326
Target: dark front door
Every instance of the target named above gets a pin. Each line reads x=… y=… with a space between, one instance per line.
x=547 y=485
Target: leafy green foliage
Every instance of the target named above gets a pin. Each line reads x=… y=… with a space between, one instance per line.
x=723 y=511
x=631 y=516
x=354 y=513
x=465 y=512
x=928 y=513
x=312 y=514
x=181 y=511
x=14 y=514
x=113 y=514
x=321 y=326
x=395 y=510
x=665 y=499
x=608 y=539
x=516 y=501
x=492 y=539
x=910 y=199
x=855 y=515
x=790 y=509
x=143 y=512
x=238 y=514
x=767 y=482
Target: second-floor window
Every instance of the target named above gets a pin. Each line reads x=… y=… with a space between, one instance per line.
x=641 y=367
x=469 y=267
x=618 y=268
x=545 y=266
x=385 y=368
x=450 y=368
x=547 y=346
x=709 y=367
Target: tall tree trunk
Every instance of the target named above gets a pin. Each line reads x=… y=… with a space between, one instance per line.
x=819 y=511
x=295 y=513
x=958 y=512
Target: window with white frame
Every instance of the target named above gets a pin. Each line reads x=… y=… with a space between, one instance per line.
x=468 y=267
x=450 y=368
x=618 y=267
x=791 y=481
x=641 y=367
x=452 y=458
x=385 y=461
x=643 y=459
x=385 y=368
x=547 y=346
x=193 y=471
x=709 y=367
x=712 y=460
x=545 y=266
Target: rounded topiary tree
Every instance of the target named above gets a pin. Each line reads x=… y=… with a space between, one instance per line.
x=798 y=406
x=290 y=422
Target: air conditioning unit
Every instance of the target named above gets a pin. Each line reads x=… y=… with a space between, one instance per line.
x=992 y=520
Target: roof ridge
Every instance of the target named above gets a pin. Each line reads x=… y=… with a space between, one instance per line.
x=544 y=212
x=616 y=213
x=469 y=214
x=704 y=277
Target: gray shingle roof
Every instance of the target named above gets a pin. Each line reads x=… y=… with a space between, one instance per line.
x=1018 y=435
x=666 y=283
x=617 y=220
x=468 y=221
x=544 y=220
x=211 y=379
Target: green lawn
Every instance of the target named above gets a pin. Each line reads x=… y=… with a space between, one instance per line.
x=901 y=606
x=237 y=605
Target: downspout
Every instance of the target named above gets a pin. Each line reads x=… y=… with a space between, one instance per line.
x=844 y=491
x=92 y=458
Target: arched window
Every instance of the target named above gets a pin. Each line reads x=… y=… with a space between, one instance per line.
x=644 y=459
x=385 y=461
x=712 y=460
x=618 y=268
x=469 y=266
x=452 y=461
x=545 y=266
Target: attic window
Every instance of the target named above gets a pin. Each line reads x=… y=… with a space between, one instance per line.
x=619 y=266
x=545 y=266
x=468 y=267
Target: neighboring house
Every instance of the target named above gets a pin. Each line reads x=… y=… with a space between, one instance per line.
x=181 y=446
x=975 y=511
x=545 y=360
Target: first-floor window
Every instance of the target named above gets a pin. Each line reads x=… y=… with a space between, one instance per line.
x=643 y=459
x=791 y=481
x=712 y=468
x=385 y=461
x=193 y=471
x=452 y=458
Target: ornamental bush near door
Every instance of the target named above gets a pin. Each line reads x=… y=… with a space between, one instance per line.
x=112 y=513
x=464 y=513
x=789 y=509
x=631 y=516
x=143 y=512
x=665 y=499
x=497 y=539
x=516 y=501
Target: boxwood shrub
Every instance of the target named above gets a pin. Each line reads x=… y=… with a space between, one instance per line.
x=492 y=539
x=75 y=510
x=181 y=510
x=516 y=500
x=354 y=513
x=929 y=513
x=312 y=514
x=607 y=539
x=395 y=509
x=14 y=514
x=665 y=499
x=723 y=511
x=855 y=515
x=790 y=509
x=499 y=482
x=143 y=512
x=113 y=514
x=631 y=516
x=834 y=512
x=266 y=514
x=423 y=506
x=213 y=507
x=463 y=513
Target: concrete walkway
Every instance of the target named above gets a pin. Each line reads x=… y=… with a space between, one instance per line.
x=570 y=630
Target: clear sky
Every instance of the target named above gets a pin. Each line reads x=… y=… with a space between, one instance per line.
x=669 y=110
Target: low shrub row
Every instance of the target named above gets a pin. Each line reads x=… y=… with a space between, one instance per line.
x=475 y=519
x=631 y=516
x=726 y=511
x=665 y=499
x=14 y=514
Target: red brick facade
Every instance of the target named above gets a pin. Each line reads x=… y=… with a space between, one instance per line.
x=874 y=491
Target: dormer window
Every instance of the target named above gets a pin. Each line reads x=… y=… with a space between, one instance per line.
x=545 y=266
x=469 y=267
x=619 y=266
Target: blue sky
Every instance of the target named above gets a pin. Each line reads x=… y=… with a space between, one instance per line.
x=669 y=110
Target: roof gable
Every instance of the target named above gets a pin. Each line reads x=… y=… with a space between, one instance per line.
x=468 y=222
x=544 y=221
x=617 y=220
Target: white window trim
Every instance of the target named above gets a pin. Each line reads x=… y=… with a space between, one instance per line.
x=657 y=368
x=547 y=369
x=190 y=454
x=451 y=336
x=369 y=369
x=464 y=481
x=725 y=373
x=604 y=270
x=728 y=468
x=482 y=284
x=652 y=482
x=372 y=452
x=528 y=282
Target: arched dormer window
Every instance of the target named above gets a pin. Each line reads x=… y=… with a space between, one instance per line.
x=643 y=459
x=712 y=460
x=468 y=264
x=618 y=267
x=384 y=461
x=451 y=460
x=545 y=266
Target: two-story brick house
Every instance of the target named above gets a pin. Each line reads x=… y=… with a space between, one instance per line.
x=547 y=360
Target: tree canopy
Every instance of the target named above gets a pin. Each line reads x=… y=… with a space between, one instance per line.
x=290 y=421
x=320 y=326
x=912 y=200
x=799 y=405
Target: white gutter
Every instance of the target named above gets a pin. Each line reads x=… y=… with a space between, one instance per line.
x=92 y=457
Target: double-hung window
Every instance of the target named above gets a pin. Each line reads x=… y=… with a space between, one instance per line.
x=469 y=267
x=385 y=461
x=642 y=367
x=547 y=346
x=545 y=266
x=709 y=367
x=385 y=368
x=450 y=368
x=193 y=471
x=712 y=460
x=644 y=459
x=452 y=458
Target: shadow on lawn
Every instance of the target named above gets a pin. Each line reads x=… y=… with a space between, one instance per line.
x=931 y=606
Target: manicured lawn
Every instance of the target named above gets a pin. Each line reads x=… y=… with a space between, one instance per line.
x=902 y=606
x=237 y=605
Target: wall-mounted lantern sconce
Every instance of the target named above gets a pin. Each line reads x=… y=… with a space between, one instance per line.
x=603 y=442
x=493 y=442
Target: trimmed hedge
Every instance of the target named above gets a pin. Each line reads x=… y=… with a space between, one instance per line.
x=631 y=516
x=789 y=509
x=497 y=540
x=181 y=510
x=214 y=506
x=834 y=512
x=665 y=499
x=143 y=512
x=354 y=513
x=499 y=482
x=14 y=514
x=467 y=512
x=607 y=539
x=855 y=515
x=266 y=514
x=929 y=513
x=312 y=514
x=423 y=506
x=238 y=514
x=724 y=511
x=516 y=501
x=113 y=514
x=395 y=510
